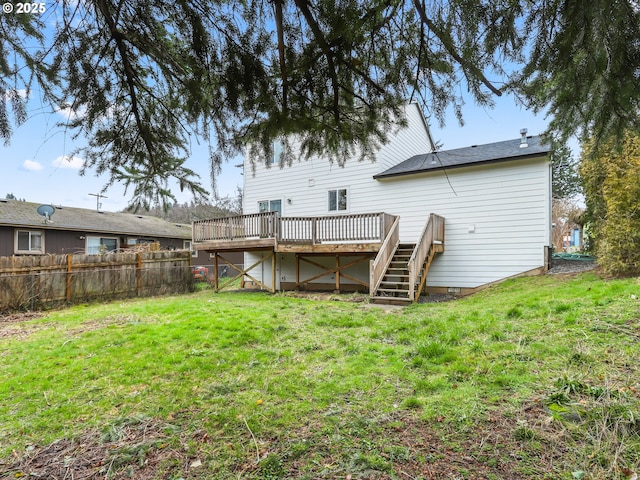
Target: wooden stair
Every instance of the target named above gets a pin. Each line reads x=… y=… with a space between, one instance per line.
x=399 y=271
x=394 y=288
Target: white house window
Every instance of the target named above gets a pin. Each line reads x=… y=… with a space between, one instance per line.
x=29 y=241
x=97 y=245
x=278 y=150
x=270 y=206
x=338 y=200
x=187 y=246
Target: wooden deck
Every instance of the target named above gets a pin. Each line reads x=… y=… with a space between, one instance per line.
x=268 y=231
x=351 y=239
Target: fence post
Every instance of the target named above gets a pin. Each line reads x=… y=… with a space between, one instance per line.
x=68 y=286
x=32 y=278
x=139 y=273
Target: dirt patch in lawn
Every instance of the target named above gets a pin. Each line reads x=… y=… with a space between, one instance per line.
x=399 y=446
x=16 y=324
x=138 y=450
x=18 y=317
x=13 y=324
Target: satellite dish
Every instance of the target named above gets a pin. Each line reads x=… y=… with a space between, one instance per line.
x=46 y=211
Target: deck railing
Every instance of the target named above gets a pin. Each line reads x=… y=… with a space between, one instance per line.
x=256 y=225
x=366 y=227
x=433 y=234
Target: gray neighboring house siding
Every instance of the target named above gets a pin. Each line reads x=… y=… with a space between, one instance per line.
x=70 y=228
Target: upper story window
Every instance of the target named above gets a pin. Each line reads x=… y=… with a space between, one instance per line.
x=278 y=151
x=338 y=200
x=29 y=241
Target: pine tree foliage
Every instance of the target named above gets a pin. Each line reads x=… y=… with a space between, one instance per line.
x=611 y=182
x=145 y=78
x=565 y=178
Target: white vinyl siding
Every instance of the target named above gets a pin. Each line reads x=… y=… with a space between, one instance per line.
x=505 y=204
x=306 y=182
x=496 y=219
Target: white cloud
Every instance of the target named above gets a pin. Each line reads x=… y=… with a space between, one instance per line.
x=69 y=113
x=65 y=161
x=22 y=93
x=32 y=165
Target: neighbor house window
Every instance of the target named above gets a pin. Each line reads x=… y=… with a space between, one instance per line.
x=29 y=241
x=188 y=246
x=338 y=200
x=97 y=245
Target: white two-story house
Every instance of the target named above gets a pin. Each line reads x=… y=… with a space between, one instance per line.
x=412 y=220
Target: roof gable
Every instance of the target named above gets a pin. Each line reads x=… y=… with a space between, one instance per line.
x=23 y=214
x=469 y=156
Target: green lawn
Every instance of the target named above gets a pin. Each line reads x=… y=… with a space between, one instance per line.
x=534 y=378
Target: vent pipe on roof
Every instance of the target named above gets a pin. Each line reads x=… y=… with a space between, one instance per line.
x=523 y=138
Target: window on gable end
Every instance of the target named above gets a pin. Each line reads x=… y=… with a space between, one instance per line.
x=278 y=152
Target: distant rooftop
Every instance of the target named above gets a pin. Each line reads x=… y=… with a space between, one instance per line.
x=468 y=156
x=24 y=214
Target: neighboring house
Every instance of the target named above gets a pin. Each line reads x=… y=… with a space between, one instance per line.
x=364 y=226
x=23 y=231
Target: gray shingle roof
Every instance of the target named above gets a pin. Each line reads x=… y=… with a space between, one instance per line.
x=474 y=155
x=23 y=214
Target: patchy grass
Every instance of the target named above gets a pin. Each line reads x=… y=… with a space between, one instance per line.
x=534 y=378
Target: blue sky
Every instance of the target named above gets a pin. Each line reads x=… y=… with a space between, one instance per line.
x=37 y=164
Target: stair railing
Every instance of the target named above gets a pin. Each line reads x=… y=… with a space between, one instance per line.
x=378 y=266
x=433 y=234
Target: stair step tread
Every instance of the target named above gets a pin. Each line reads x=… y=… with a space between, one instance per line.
x=390 y=300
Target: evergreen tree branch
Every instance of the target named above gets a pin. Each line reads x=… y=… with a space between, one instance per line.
x=448 y=43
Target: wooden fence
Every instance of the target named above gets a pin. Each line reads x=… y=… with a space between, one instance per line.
x=32 y=282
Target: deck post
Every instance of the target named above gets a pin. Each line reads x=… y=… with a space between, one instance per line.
x=297 y=270
x=215 y=269
x=273 y=272
x=313 y=231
